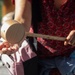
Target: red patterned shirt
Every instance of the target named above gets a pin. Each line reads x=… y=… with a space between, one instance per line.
x=57 y=23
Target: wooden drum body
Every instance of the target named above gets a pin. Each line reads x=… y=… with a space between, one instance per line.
x=12 y=31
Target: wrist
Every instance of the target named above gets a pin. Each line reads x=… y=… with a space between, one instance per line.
x=20 y=20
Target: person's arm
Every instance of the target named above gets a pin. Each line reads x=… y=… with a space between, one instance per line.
x=23 y=13
x=23 y=16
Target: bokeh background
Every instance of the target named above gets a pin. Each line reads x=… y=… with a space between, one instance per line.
x=6 y=6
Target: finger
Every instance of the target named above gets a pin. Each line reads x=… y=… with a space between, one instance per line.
x=10 y=51
x=7 y=51
x=2 y=46
x=6 y=44
x=71 y=37
x=4 y=50
x=15 y=46
x=65 y=42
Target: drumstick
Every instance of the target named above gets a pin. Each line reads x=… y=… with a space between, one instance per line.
x=45 y=36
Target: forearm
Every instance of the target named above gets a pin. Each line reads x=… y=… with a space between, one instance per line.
x=23 y=13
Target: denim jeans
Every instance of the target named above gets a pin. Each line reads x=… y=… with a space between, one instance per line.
x=66 y=65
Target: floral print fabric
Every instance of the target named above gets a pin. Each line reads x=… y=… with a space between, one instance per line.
x=56 y=22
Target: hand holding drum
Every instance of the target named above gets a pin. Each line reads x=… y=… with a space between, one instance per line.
x=14 y=32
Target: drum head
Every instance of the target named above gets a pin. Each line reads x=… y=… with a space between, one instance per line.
x=12 y=31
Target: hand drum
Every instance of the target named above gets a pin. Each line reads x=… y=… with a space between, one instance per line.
x=12 y=31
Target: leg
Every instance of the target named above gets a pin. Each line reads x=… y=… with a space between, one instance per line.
x=31 y=66
x=66 y=65
x=46 y=66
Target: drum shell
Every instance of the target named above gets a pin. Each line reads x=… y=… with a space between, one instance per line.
x=12 y=31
